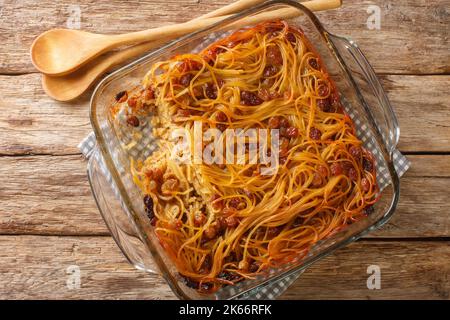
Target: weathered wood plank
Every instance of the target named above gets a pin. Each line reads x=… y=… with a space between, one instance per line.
x=51 y=195
x=429 y=166
x=408 y=29
x=47 y=195
x=409 y=270
x=31 y=269
x=36 y=268
x=32 y=123
x=413 y=35
x=422 y=108
x=422 y=210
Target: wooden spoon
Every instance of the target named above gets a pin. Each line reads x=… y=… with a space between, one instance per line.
x=47 y=59
x=72 y=85
x=61 y=51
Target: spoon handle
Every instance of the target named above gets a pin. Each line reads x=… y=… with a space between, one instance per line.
x=315 y=5
x=137 y=50
x=172 y=31
x=231 y=8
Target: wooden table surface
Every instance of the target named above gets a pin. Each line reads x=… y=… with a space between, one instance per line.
x=48 y=218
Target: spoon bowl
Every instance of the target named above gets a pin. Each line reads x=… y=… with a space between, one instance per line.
x=60 y=51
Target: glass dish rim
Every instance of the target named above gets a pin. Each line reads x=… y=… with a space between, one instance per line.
x=107 y=157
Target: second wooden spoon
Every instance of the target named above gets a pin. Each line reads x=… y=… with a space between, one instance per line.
x=71 y=86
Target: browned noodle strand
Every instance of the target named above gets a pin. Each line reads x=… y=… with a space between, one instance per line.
x=222 y=223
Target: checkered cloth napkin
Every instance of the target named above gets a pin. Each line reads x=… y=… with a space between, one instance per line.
x=273 y=289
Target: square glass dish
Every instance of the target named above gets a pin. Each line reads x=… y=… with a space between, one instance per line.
x=120 y=200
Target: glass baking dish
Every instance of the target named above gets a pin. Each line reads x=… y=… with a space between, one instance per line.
x=120 y=201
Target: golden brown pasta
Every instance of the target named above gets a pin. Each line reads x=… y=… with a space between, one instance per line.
x=221 y=223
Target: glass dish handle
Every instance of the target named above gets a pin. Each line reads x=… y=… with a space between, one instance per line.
x=120 y=225
x=372 y=92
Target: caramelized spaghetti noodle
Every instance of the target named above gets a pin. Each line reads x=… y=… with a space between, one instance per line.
x=223 y=223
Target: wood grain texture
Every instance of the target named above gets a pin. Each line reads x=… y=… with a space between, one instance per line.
x=423 y=109
x=36 y=268
x=50 y=195
x=409 y=270
x=32 y=123
x=47 y=195
x=413 y=37
x=31 y=269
